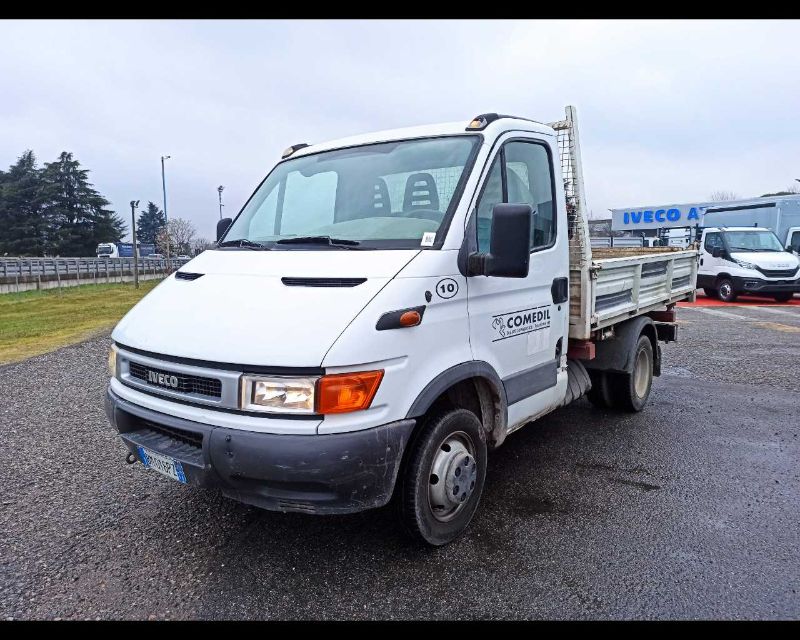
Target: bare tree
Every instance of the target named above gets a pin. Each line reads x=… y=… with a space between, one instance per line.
x=180 y=234
x=201 y=244
x=719 y=196
x=792 y=189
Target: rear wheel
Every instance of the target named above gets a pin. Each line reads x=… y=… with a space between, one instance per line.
x=725 y=290
x=783 y=297
x=600 y=395
x=710 y=293
x=631 y=390
x=443 y=477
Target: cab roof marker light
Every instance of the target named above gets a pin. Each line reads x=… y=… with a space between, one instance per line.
x=290 y=150
x=479 y=123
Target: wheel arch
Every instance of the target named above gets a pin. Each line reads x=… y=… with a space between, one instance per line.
x=471 y=385
x=617 y=354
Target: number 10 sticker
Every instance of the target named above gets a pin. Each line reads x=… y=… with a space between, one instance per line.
x=446 y=288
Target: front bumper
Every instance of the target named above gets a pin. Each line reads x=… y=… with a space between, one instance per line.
x=757 y=285
x=323 y=474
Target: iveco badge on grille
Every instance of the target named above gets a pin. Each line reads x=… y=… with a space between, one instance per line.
x=162 y=379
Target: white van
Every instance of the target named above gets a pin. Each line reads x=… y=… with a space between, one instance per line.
x=383 y=311
x=746 y=260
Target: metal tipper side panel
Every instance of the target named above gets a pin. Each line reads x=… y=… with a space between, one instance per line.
x=580 y=252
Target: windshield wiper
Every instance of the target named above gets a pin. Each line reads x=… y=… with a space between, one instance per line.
x=244 y=243
x=327 y=240
x=743 y=249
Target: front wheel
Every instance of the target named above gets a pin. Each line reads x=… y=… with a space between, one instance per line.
x=725 y=291
x=710 y=293
x=783 y=297
x=631 y=390
x=443 y=477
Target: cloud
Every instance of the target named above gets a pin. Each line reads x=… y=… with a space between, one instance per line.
x=669 y=110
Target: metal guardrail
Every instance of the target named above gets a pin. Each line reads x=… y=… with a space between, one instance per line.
x=66 y=271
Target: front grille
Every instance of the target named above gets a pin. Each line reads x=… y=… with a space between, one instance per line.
x=779 y=273
x=210 y=387
x=181 y=435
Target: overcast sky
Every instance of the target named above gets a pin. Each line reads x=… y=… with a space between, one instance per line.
x=669 y=110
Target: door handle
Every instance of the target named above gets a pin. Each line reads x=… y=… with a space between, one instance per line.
x=559 y=290
x=701 y=262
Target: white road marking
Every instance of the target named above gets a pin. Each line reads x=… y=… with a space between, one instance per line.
x=785 y=312
x=724 y=314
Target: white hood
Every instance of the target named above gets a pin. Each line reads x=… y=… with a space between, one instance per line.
x=240 y=312
x=768 y=259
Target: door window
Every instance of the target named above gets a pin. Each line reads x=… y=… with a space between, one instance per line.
x=713 y=241
x=522 y=173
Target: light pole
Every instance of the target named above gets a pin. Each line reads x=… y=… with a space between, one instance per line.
x=134 y=204
x=220 y=189
x=164 y=189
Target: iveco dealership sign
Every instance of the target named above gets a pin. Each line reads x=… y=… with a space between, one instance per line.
x=674 y=215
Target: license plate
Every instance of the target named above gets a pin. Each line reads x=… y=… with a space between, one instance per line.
x=163 y=464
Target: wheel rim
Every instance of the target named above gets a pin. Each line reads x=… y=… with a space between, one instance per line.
x=453 y=476
x=725 y=290
x=641 y=375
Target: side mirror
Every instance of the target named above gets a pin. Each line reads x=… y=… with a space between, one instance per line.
x=716 y=252
x=222 y=227
x=509 y=251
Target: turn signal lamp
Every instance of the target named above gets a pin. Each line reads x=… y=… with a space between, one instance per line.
x=345 y=392
x=410 y=319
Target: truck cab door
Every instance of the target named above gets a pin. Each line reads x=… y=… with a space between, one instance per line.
x=519 y=325
x=793 y=239
x=709 y=265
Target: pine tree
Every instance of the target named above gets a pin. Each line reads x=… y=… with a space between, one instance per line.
x=78 y=211
x=150 y=222
x=25 y=228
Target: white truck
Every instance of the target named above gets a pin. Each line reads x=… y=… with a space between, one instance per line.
x=383 y=311
x=746 y=260
x=107 y=250
x=779 y=214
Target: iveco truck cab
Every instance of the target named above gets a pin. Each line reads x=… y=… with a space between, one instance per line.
x=383 y=311
x=746 y=260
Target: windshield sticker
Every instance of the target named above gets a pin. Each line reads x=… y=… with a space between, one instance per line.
x=517 y=323
x=428 y=239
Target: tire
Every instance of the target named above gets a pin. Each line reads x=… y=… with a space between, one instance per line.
x=631 y=390
x=600 y=395
x=783 y=297
x=710 y=293
x=433 y=507
x=725 y=291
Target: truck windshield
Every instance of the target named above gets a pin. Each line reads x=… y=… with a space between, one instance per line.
x=752 y=241
x=388 y=195
x=105 y=248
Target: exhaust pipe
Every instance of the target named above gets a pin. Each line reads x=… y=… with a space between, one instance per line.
x=130 y=459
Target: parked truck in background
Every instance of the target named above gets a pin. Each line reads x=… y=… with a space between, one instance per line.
x=746 y=260
x=384 y=310
x=123 y=249
x=779 y=214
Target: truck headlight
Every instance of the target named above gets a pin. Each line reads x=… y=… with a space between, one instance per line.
x=278 y=395
x=112 y=361
x=746 y=265
x=333 y=393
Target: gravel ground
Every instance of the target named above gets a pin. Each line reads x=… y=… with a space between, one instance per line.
x=687 y=510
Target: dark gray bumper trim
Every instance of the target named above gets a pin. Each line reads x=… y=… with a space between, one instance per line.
x=334 y=473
